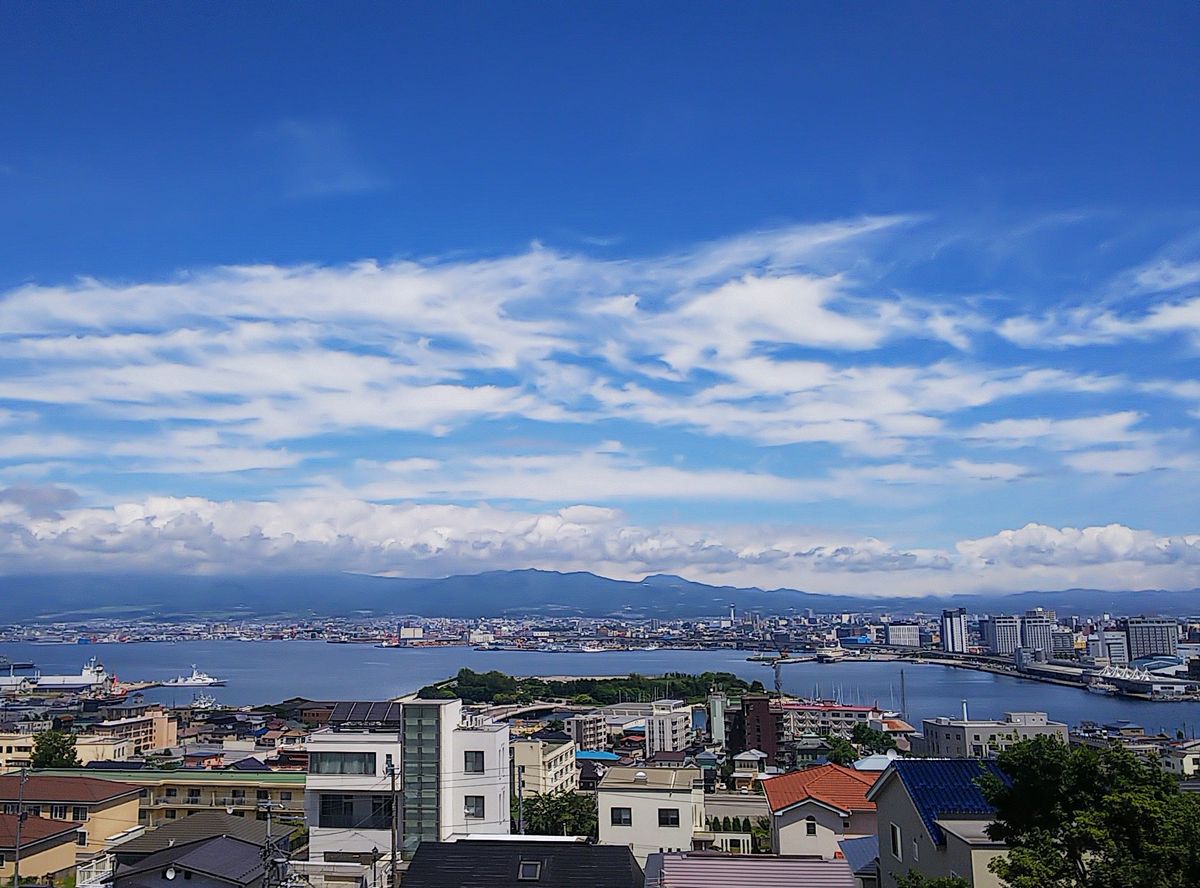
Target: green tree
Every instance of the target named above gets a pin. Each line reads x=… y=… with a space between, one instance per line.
x=54 y=749
x=870 y=740
x=726 y=824
x=563 y=813
x=841 y=752
x=1075 y=817
x=556 y=724
x=914 y=879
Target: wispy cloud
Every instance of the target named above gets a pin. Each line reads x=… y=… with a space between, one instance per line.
x=317 y=158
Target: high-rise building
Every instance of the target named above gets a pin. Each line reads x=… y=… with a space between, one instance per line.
x=904 y=634
x=589 y=730
x=1062 y=642
x=668 y=727
x=1001 y=635
x=446 y=771
x=1152 y=637
x=1037 y=631
x=954 y=630
x=1111 y=644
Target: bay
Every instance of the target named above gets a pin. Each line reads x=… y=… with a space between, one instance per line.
x=260 y=672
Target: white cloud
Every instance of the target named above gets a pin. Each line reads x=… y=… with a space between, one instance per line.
x=199 y=535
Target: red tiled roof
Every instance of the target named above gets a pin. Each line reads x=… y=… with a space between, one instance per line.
x=34 y=829
x=69 y=790
x=844 y=788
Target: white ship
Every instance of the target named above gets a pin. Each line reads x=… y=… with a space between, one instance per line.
x=92 y=675
x=203 y=702
x=197 y=679
x=830 y=654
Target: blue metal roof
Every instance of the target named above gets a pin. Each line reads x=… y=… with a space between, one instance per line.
x=860 y=853
x=596 y=755
x=946 y=788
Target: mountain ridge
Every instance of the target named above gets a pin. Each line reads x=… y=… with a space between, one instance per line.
x=530 y=591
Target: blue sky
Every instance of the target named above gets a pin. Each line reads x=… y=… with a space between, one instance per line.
x=891 y=298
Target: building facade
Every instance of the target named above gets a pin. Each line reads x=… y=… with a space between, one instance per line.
x=544 y=766
x=954 y=630
x=959 y=738
x=588 y=730
x=1152 y=637
x=1001 y=635
x=96 y=809
x=1111 y=645
x=656 y=809
x=450 y=771
x=903 y=635
x=1037 y=632
x=668 y=727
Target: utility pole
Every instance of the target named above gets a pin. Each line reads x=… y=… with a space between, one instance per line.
x=520 y=800
x=391 y=771
x=20 y=820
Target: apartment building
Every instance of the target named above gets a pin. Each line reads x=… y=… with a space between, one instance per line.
x=1001 y=635
x=588 y=731
x=544 y=764
x=95 y=809
x=451 y=772
x=982 y=738
x=1152 y=637
x=651 y=810
x=103 y=748
x=149 y=727
x=668 y=726
x=165 y=796
x=16 y=751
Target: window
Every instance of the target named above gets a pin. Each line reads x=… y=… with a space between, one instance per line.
x=285 y=795
x=263 y=795
x=336 y=811
x=529 y=870
x=79 y=813
x=58 y=812
x=473 y=807
x=171 y=792
x=622 y=816
x=238 y=793
x=668 y=817
x=341 y=763
x=897 y=844
x=916 y=849
x=473 y=762
x=193 y=793
x=3 y=860
x=810 y=826
x=170 y=814
x=81 y=837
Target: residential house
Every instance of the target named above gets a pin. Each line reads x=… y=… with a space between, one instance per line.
x=506 y=864
x=97 y=809
x=650 y=810
x=450 y=770
x=932 y=817
x=214 y=862
x=47 y=847
x=815 y=809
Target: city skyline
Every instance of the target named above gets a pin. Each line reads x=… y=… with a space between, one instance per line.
x=789 y=320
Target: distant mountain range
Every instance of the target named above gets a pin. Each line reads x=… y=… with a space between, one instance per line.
x=496 y=593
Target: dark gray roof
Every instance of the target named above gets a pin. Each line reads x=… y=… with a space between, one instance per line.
x=496 y=864
x=201 y=825
x=221 y=857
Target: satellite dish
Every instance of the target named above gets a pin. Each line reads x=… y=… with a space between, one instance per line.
x=170 y=873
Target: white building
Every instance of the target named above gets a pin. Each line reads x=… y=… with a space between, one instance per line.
x=651 y=810
x=1001 y=635
x=668 y=727
x=954 y=630
x=588 y=731
x=1037 y=632
x=982 y=738
x=451 y=771
x=904 y=634
x=544 y=766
